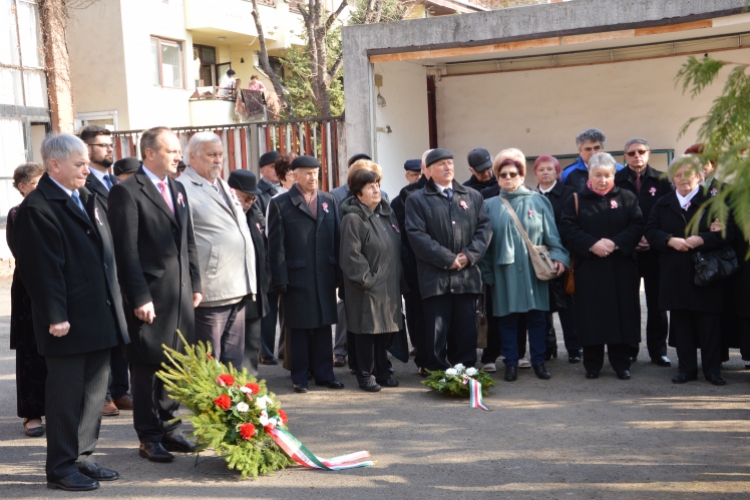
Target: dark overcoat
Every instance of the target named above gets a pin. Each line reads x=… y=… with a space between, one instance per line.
x=157 y=262
x=654 y=185
x=267 y=191
x=304 y=255
x=676 y=269
x=408 y=260
x=371 y=267
x=608 y=306
x=68 y=267
x=95 y=186
x=475 y=183
x=742 y=283
x=439 y=230
x=256 y=222
x=557 y=197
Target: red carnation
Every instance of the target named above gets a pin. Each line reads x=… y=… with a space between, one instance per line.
x=223 y=402
x=225 y=379
x=283 y=417
x=247 y=431
x=209 y=356
x=253 y=387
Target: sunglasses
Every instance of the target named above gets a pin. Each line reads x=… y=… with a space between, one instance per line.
x=639 y=152
x=592 y=148
x=508 y=175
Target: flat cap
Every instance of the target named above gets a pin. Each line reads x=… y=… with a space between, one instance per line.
x=305 y=162
x=413 y=165
x=267 y=158
x=436 y=155
x=358 y=156
x=479 y=159
x=245 y=181
x=129 y=165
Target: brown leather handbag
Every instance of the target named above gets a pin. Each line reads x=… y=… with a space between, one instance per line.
x=570 y=279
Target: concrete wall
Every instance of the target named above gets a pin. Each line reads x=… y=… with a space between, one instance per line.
x=405 y=91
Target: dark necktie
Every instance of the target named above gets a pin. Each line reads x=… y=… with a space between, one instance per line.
x=77 y=199
x=638 y=182
x=107 y=183
x=449 y=194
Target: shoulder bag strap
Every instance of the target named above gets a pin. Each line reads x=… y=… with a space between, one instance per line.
x=523 y=232
x=575 y=195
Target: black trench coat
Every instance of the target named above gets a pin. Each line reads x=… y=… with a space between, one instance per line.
x=608 y=306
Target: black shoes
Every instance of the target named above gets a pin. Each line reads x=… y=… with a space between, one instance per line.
x=331 y=384
x=74 y=482
x=33 y=432
x=423 y=372
x=716 y=379
x=179 y=444
x=338 y=360
x=592 y=375
x=98 y=473
x=511 y=373
x=550 y=353
x=541 y=371
x=661 y=361
x=623 y=374
x=269 y=361
x=389 y=382
x=574 y=357
x=370 y=386
x=683 y=378
x=300 y=389
x=155 y=452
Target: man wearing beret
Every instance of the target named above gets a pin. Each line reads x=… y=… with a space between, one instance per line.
x=449 y=231
x=303 y=247
x=480 y=166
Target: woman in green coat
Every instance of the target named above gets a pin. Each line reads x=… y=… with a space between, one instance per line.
x=507 y=268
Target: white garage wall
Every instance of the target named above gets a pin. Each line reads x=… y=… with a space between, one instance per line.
x=405 y=91
x=542 y=111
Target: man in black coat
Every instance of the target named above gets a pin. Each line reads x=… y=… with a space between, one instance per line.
x=66 y=262
x=303 y=247
x=480 y=166
x=269 y=182
x=648 y=185
x=244 y=184
x=449 y=231
x=158 y=267
x=99 y=182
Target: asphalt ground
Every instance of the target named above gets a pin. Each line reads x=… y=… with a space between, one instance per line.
x=565 y=438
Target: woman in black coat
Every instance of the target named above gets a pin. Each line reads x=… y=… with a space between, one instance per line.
x=603 y=231
x=31 y=369
x=695 y=312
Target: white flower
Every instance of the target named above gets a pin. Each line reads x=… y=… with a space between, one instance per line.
x=471 y=371
x=451 y=372
x=262 y=402
x=242 y=407
x=263 y=419
x=442 y=381
x=246 y=390
x=459 y=367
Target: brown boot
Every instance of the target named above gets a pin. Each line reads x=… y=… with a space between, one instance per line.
x=124 y=402
x=110 y=410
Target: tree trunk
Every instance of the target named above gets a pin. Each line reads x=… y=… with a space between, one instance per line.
x=53 y=18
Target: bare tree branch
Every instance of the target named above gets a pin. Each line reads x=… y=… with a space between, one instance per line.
x=332 y=18
x=336 y=66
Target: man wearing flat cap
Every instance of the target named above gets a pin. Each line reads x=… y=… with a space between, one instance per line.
x=244 y=186
x=269 y=181
x=449 y=231
x=303 y=247
x=480 y=166
x=125 y=167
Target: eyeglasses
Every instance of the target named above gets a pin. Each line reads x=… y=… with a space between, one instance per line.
x=592 y=148
x=506 y=175
x=105 y=145
x=639 y=152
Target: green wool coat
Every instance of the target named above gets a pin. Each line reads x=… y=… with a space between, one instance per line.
x=506 y=265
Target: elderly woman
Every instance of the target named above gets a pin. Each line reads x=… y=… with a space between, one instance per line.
x=695 y=311
x=506 y=265
x=547 y=173
x=371 y=264
x=31 y=369
x=602 y=224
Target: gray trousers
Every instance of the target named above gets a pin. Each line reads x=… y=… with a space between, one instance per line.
x=76 y=386
x=224 y=328
x=339 y=344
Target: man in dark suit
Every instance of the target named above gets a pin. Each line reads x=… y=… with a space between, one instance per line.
x=648 y=185
x=268 y=188
x=158 y=267
x=67 y=264
x=99 y=182
x=303 y=247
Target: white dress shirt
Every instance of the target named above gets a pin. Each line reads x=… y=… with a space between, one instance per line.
x=156 y=181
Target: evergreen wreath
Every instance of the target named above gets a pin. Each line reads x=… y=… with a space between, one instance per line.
x=451 y=381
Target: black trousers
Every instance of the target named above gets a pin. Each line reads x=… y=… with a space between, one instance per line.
x=657 y=325
x=451 y=330
x=119 y=378
x=224 y=328
x=268 y=327
x=76 y=387
x=152 y=407
x=253 y=342
x=415 y=325
x=693 y=330
x=494 y=342
x=312 y=351
x=618 y=354
x=31 y=379
x=568 y=323
x=744 y=329
x=372 y=357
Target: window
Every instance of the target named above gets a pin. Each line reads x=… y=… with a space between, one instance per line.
x=22 y=78
x=167 y=63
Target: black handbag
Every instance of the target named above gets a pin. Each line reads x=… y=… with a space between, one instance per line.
x=713 y=266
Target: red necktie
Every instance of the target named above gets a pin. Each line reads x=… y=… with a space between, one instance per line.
x=163 y=188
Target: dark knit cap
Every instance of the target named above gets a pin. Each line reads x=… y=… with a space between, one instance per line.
x=436 y=155
x=413 y=165
x=245 y=181
x=305 y=162
x=129 y=165
x=267 y=158
x=357 y=157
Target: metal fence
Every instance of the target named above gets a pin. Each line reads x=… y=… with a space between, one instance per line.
x=245 y=142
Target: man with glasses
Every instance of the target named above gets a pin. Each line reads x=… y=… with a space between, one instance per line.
x=99 y=181
x=648 y=185
x=589 y=142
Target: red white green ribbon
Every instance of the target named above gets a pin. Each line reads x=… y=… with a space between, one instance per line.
x=300 y=454
x=475 y=393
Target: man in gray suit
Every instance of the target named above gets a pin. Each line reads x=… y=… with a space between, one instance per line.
x=226 y=254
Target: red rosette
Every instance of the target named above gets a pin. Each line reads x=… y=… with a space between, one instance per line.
x=225 y=379
x=224 y=402
x=247 y=431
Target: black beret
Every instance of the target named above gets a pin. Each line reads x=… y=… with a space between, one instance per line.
x=267 y=158
x=413 y=165
x=245 y=181
x=305 y=162
x=129 y=165
x=436 y=155
x=479 y=159
x=357 y=157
